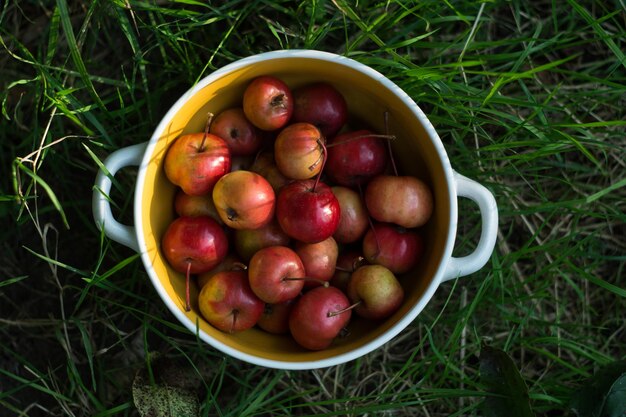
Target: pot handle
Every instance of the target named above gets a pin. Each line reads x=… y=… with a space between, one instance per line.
x=458 y=267
x=101 y=206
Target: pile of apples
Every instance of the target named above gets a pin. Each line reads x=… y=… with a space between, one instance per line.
x=290 y=217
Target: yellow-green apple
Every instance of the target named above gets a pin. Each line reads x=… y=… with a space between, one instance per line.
x=377 y=291
x=248 y=241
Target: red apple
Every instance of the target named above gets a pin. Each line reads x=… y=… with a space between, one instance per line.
x=197 y=243
x=230 y=263
x=322 y=105
x=394 y=247
x=298 y=151
x=353 y=222
x=268 y=103
x=319 y=259
x=248 y=241
x=376 y=290
x=244 y=200
x=307 y=210
x=275 y=317
x=195 y=205
x=193 y=245
x=318 y=317
x=228 y=304
x=348 y=261
x=276 y=274
x=404 y=200
x=356 y=157
x=265 y=165
x=240 y=135
x=196 y=161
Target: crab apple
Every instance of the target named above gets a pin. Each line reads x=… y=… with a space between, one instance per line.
x=318 y=317
x=392 y=246
x=248 y=241
x=322 y=105
x=240 y=135
x=276 y=274
x=298 y=151
x=353 y=158
x=244 y=200
x=275 y=317
x=196 y=161
x=307 y=210
x=376 y=290
x=319 y=259
x=353 y=221
x=404 y=200
x=227 y=302
x=268 y=102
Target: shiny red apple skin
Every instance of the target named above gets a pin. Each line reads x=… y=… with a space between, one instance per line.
x=306 y=213
x=275 y=317
x=355 y=157
x=404 y=200
x=249 y=241
x=311 y=322
x=268 y=103
x=198 y=241
x=353 y=222
x=298 y=152
x=268 y=270
x=394 y=247
x=196 y=165
x=227 y=302
x=244 y=200
x=377 y=290
x=322 y=105
x=240 y=135
x=319 y=259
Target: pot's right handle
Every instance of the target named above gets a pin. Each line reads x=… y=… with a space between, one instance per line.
x=101 y=206
x=458 y=267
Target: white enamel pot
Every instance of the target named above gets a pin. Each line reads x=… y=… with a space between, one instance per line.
x=418 y=149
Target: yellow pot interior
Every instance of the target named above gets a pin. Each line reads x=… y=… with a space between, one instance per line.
x=367 y=101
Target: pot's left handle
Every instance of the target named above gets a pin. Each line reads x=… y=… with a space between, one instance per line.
x=101 y=206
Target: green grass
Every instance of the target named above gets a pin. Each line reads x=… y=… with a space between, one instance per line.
x=529 y=99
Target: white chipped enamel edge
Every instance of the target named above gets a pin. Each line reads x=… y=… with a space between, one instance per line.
x=458 y=267
x=393 y=331
x=129 y=156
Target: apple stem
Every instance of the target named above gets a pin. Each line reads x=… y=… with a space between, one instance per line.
x=393 y=162
x=187 y=285
x=371 y=135
x=319 y=281
x=324 y=153
x=235 y=314
x=343 y=310
x=207 y=127
x=239 y=266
